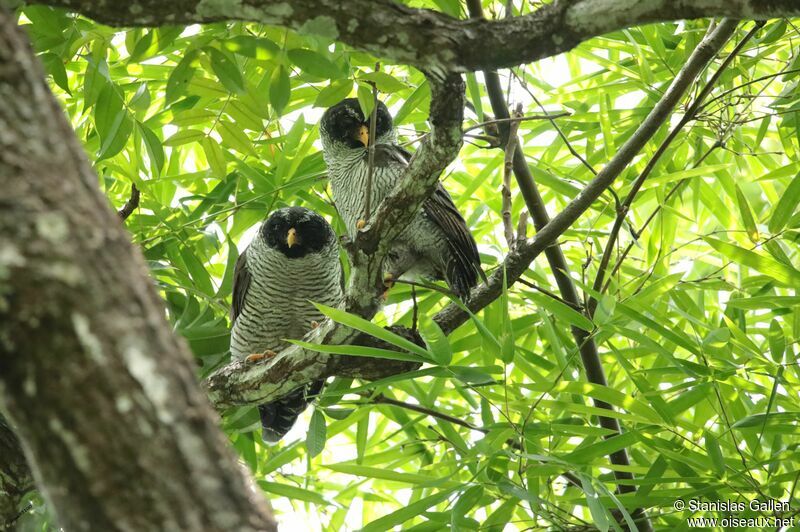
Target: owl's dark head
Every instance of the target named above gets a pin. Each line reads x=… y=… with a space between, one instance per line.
x=297 y=232
x=344 y=124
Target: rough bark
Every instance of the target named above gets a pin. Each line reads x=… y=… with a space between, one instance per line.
x=15 y=476
x=427 y=39
x=101 y=392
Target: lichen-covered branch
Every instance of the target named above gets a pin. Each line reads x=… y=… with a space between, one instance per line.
x=101 y=393
x=430 y=40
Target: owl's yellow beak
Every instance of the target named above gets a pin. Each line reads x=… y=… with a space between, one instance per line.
x=291 y=237
x=363 y=135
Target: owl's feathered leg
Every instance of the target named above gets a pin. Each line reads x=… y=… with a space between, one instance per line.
x=278 y=417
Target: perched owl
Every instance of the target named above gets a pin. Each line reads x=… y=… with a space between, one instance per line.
x=294 y=259
x=437 y=244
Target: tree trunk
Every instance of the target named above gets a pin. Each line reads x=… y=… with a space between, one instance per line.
x=101 y=392
x=15 y=476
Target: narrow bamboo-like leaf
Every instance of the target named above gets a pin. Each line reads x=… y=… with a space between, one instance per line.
x=777 y=342
x=112 y=121
x=313 y=63
x=360 y=351
x=215 y=156
x=317 y=434
x=786 y=206
x=226 y=70
x=360 y=324
x=293 y=492
x=184 y=137
x=598 y=511
x=757 y=420
x=436 y=340
x=405 y=513
x=747 y=215
x=362 y=433
x=714 y=453
x=279 y=89
x=385 y=82
x=782 y=273
x=563 y=312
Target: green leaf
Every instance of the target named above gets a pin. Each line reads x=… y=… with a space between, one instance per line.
x=249 y=46
x=279 y=89
x=360 y=351
x=747 y=215
x=215 y=156
x=337 y=91
x=405 y=513
x=436 y=340
x=598 y=511
x=181 y=76
x=786 y=206
x=185 y=136
x=154 y=148
x=360 y=324
x=563 y=312
x=313 y=63
x=317 y=434
x=782 y=273
x=235 y=138
x=777 y=342
x=714 y=453
x=226 y=70
x=365 y=99
x=466 y=501
x=774 y=419
x=293 y=492
x=383 y=81
x=112 y=121
x=55 y=67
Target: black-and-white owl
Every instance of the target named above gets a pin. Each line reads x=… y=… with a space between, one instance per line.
x=293 y=260
x=437 y=244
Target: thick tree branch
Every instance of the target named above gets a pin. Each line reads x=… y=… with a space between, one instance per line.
x=101 y=392
x=427 y=39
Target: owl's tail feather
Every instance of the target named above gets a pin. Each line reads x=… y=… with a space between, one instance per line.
x=278 y=417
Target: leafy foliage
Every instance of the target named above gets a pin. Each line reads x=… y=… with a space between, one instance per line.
x=697 y=326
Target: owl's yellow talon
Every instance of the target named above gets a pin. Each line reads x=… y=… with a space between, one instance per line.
x=388 y=280
x=361 y=224
x=257 y=357
x=314 y=324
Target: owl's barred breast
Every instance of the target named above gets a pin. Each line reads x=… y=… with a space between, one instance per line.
x=349 y=184
x=278 y=305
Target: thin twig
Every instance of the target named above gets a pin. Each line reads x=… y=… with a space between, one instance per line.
x=561 y=134
x=130 y=205
x=522 y=226
x=508 y=163
x=517 y=119
x=373 y=121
